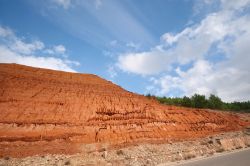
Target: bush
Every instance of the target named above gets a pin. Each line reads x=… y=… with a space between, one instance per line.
x=214 y=102
x=200 y=101
x=187 y=102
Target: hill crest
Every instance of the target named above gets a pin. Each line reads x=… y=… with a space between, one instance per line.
x=40 y=107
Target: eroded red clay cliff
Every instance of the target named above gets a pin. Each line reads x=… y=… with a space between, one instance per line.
x=42 y=108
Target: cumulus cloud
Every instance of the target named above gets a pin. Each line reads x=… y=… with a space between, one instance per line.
x=225 y=32
x=15 y=50
x=190 y=44
x=228 y=82
x=144 y=63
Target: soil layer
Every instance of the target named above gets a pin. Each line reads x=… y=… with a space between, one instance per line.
x=45 y=111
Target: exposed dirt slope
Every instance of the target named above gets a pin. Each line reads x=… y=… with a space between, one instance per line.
x=43 y=110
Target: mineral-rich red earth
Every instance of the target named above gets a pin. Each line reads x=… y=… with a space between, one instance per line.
x=46 y=111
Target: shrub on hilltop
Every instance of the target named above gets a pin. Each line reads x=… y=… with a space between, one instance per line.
x=200 y=101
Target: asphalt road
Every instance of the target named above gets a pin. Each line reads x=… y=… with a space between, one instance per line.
x=240 y=158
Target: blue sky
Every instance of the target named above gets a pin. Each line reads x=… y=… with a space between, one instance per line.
x=163 y=47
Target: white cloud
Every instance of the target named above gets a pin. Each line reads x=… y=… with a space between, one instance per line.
x=7 y=36
x=234 y=5
x=169 y=38
x=63 y=3
x=190 y=44
x=144 y=63
x=8 y=56
x=189 y=81
x=56 y=50
x=49 y=51
x=206 y=78
x=59 y=49
x=26 y=48
x=4 y=32
x=15 y=50
x=226 y=32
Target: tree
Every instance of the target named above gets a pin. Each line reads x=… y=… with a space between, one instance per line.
x=186 y=102
x=214 y=102
x=199 y=101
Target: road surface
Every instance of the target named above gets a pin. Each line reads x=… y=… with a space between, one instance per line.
x=240 y=158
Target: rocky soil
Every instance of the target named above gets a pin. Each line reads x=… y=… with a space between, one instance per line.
x=52 y=112
x=141 y=154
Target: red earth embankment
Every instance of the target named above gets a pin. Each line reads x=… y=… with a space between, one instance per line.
x=46 y=111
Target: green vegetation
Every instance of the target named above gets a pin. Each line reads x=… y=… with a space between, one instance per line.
x=200 y=101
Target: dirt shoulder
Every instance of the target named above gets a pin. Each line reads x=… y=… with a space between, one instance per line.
x=143 y=154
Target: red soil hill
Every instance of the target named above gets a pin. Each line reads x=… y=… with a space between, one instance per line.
x=40 y=106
